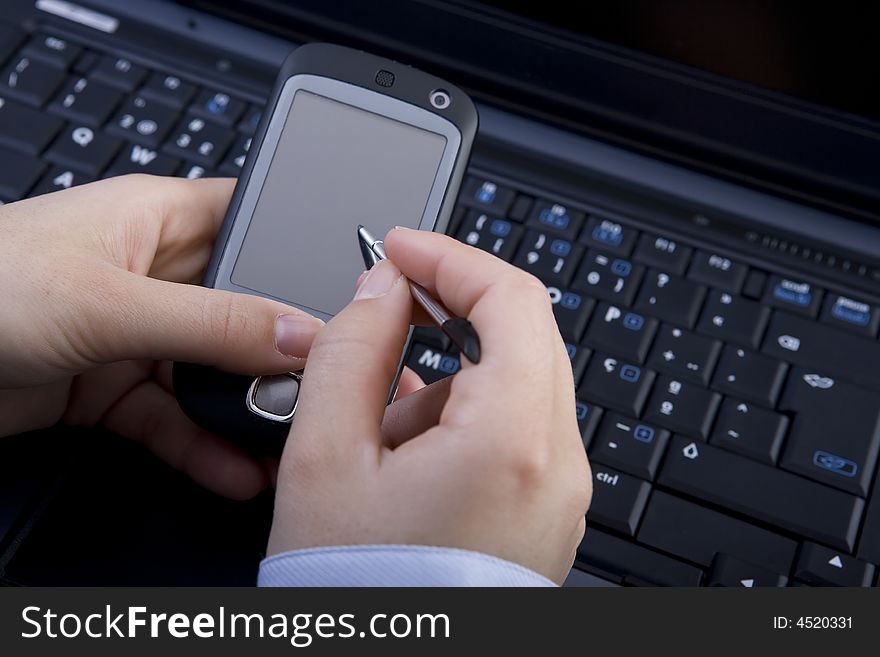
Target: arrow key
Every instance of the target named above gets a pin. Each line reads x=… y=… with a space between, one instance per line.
x=730 y=571
x=820 y=565
x=750 y=430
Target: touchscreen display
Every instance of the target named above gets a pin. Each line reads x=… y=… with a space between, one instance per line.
x=335 y=166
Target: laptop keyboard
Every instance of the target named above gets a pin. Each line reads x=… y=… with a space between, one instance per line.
x=70 y=115
x=731 y=413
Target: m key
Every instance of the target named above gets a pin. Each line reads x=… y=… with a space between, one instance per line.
x=835 y=436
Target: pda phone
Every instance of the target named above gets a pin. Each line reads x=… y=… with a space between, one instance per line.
x=347 y=138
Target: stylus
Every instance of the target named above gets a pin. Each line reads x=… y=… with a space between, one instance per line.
x=459 y=330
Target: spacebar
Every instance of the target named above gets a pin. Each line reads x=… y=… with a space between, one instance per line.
x=762 y=492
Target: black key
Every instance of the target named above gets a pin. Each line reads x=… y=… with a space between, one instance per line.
x=753 y=288
x=140 y=159
x=86 y=102
x=85 y=62
x=869 y=542
x=24 y=129
x=588 y=416
x=616 y=384
x=823 y=348
x=578 y=357
x=618 y=500
x=218 y=106
x=730 y=571
x=621 y=332
x=795 y=296
x=251 y=120
x=83 y=149
x=431 y=336
x=718 y=271
x=670 y=298
x=200 y=141
x=550 y=258
x=625 y=561
x=823 y=567
x=486 y=195
x=572 y=312
x=30 y=81
x=697 y=534
x=769 y=495
x=59 y=178
x=53 y=50
x=750 y=430
x=844 y=312
x=18 y=173
x=493 y=234
x=521 y=207
x=750 y=376
x=734 y=319
x=143 y=121
x=234 y=160
x=684 y=354
x=609 y=236
x=682 y=407
x=608 y=277
x=432 y=364
x=629 y=445
x=663 y=253
x=168 y=89
x=9 y=40
x=118 y=72
x=835 y=437
x=547 y=215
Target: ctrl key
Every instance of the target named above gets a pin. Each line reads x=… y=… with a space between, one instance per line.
x=629 y=563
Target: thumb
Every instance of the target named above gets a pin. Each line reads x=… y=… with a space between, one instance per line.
x=352 y=365
x=238 y=333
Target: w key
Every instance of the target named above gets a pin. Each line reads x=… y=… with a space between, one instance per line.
x=835 y=437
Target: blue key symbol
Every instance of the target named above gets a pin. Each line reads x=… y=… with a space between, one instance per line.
x=500 y=228
x=486 y=192
x=571 y=301
x=555 y=216
x=835 y=464
x=449 y=365
x=630 y=373
x=609 y=233
x=218 y=103
x=792 y=292
x=853 y=312
x=582 y=410
x=571 y=349
x=560 y=248
x=643 y=433
x=621 y=267
x=633 y=321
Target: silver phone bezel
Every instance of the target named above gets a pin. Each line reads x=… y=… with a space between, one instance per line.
x=356 y=96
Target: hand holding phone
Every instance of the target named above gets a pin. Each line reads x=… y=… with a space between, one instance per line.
x=348 y=138
x=492 y=462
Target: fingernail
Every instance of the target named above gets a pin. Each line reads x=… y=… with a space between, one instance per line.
x=378 y=281
x=294 y=334
x=361 y=278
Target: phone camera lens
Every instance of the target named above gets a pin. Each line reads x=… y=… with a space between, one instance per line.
x=440 y=99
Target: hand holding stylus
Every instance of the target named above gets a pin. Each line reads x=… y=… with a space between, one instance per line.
x=490 y=460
